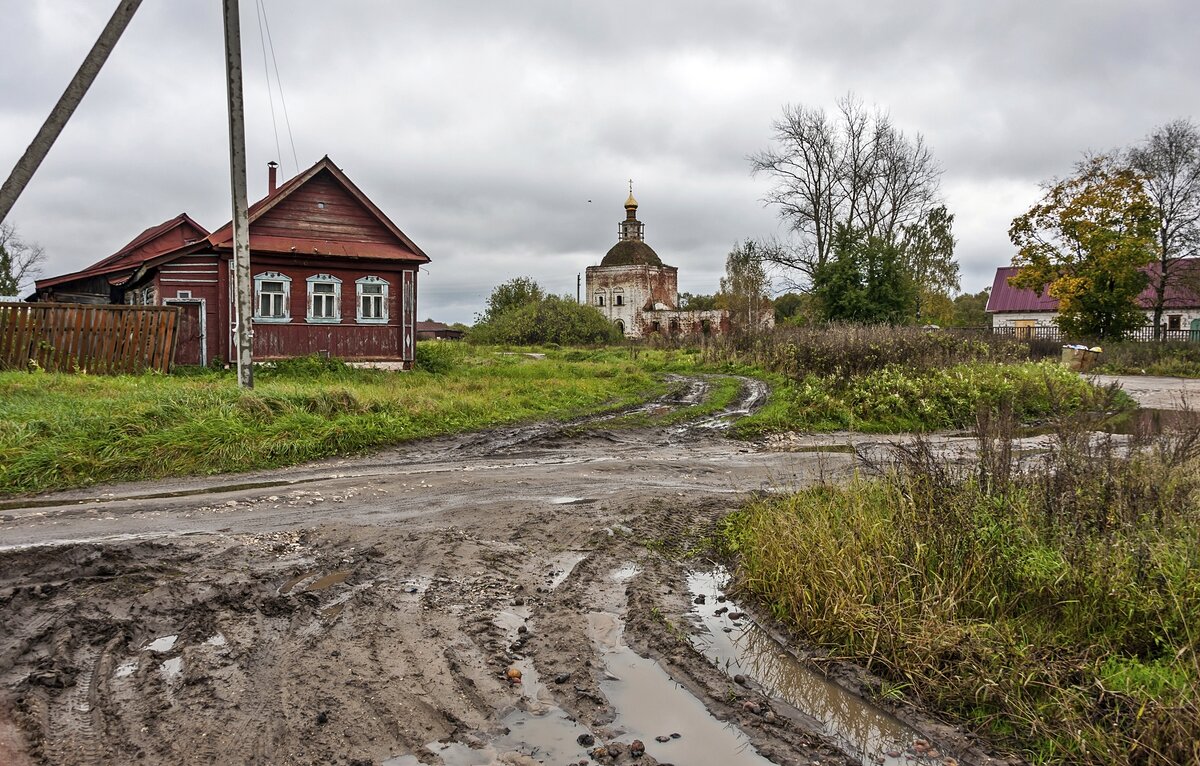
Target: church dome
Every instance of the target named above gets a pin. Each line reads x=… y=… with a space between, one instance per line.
x=630 y=252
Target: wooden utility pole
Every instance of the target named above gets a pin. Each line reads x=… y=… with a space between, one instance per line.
x=62 y=111
x=243 y=330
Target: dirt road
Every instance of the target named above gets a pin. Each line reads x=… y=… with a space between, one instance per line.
x=374 y=611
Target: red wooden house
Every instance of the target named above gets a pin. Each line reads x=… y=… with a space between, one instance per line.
x=332 y=274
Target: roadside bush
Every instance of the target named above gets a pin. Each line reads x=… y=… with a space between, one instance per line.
x=438 y=356
x=1051 y=601
x=843 y=351
x=1176 y=359
x=550 y=320
x=896 y=399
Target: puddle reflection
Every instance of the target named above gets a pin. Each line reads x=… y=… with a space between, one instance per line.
x=864 y=731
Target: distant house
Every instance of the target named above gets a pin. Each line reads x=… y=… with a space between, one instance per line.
x=1024 y=311
x=331 y=272
x=437 y=331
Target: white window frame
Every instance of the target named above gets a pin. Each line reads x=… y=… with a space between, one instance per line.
x=273 y=276
x=618 y=296
x=359 y=284
x=324 y=279
x=599 y=299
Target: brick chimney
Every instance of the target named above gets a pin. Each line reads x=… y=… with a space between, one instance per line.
x=272 y=166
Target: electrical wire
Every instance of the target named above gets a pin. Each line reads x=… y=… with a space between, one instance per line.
x=279 y=81
x=267 y=74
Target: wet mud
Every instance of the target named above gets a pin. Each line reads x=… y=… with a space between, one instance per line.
x=517 y=597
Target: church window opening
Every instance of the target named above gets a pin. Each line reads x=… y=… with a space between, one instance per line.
x=674 y=326
x=599 y=299
x=618 y=297
x=620 y=326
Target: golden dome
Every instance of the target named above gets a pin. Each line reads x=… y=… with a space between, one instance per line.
x=631 y=202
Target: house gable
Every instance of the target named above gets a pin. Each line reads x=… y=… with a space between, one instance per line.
x=321 y=212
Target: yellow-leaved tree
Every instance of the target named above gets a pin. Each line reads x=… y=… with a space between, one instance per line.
x=1086 y=242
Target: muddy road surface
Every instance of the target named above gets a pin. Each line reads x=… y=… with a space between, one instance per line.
x=528 y=595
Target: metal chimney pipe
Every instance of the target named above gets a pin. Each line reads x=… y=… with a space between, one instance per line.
x=272 y=167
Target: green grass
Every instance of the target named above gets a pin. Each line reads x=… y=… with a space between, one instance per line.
x=1055 y=607
x=1173 y=359
x=896 y=399
x=60 y=431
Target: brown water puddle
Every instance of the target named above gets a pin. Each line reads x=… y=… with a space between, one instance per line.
x=860 y=729
x=649 y=703
x=317 y=584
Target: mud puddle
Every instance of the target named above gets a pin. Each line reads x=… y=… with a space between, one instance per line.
x=649 y=704
x=738 y=646
x=752 y=395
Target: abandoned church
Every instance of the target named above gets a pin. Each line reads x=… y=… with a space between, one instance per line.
x=639 y=293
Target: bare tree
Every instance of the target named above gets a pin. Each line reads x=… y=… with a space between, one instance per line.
x=744 y=288
x=20 y=261
x=853 y=167
x=1169 y=161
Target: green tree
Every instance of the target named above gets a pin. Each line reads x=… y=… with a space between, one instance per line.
x=928 y=247
x=787 y=306
x=970 y=309
x=696 y=302
x=865 y=281
x=1085 y=243
x=744 y=288
x=549 y=320
x=513 y=294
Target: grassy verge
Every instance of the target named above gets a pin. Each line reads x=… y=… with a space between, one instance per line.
x=60 y=431
x=1054 y=606
x=896 y=399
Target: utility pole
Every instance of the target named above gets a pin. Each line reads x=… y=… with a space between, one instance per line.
x=578 y=298
x=243 y=330
x=62 y=111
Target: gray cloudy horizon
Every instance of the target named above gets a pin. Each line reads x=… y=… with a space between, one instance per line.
x=500 y=137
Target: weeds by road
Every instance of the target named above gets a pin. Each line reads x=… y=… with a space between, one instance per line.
x=1173 y=359
x=1051 y=602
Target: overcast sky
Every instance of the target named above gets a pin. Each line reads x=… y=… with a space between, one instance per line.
x=500 y=135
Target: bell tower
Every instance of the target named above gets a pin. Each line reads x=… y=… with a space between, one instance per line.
x=631 y=229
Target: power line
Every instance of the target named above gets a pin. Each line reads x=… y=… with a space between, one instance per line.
x=279 y=81
x=267 y=74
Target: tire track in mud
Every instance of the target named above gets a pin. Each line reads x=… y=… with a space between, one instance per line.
x=395 y=635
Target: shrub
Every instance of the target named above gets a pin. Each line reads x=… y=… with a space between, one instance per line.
x=1172 y=359
x=438 y=357
x=844 y=351
x=551 y=320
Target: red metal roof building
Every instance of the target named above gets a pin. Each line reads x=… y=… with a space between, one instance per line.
x=332 y=274
x=1015 y=307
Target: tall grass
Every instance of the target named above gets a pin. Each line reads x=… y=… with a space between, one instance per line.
x=844 y=351
x=1053 y=602
x=1172 y=359
x=72 y=430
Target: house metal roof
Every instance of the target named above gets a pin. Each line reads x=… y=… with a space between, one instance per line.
x=1006 y=298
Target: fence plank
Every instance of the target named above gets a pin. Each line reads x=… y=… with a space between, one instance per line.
x=62 y=337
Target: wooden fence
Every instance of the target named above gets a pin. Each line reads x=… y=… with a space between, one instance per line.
x=105 y=340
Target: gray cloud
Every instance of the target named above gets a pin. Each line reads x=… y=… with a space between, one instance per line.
x=484 y=128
